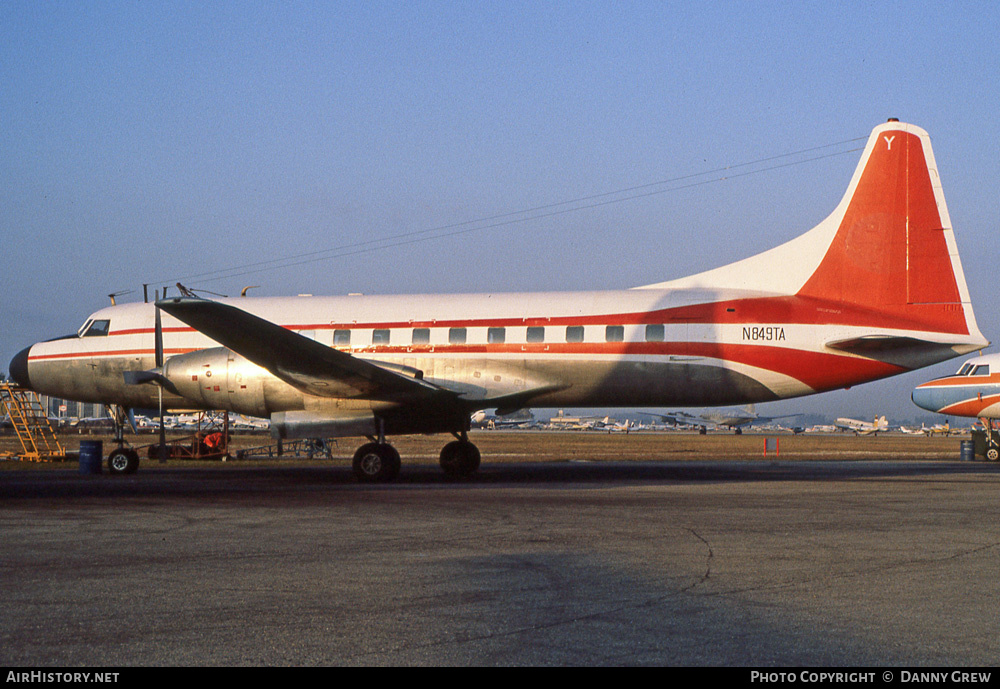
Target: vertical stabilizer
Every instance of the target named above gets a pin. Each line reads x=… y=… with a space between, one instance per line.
x=887 y=248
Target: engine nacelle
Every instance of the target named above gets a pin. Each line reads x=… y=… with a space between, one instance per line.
x=219 y=378
x=307 y=424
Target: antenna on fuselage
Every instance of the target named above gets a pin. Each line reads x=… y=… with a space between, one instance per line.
x=118 y=294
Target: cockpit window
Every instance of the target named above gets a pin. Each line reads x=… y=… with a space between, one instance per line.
x=981 y=370
x=98 y=329
x=83 y=328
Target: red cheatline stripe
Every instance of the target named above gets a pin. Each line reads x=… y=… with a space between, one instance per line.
x=970 y=407
x=820 y=371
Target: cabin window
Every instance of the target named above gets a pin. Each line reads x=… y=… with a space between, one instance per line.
x=421 y=336
x=98 y=329
x=654 y=332
x=536 y=334
x=380 y=336
x=496 y=336
x=456 y=335
x=614 y=333
x=981 y=370
x=574 y=333
x=341 y=338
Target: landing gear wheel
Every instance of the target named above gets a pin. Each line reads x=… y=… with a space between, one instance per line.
x=992 y=454
x=376 y=463
x=123 y=461
x=460 y=459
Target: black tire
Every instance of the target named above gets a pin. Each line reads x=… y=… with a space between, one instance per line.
x=123 y=461
x=460 y=459
x=376 y=463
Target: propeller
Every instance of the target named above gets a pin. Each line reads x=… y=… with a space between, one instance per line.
x=158 y=345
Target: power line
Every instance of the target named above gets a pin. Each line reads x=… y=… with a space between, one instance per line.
x=521 y=216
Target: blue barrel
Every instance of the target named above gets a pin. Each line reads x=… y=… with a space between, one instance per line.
x=968 y=452
x=91 y=456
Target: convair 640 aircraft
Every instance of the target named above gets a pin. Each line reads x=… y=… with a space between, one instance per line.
x=874 y=290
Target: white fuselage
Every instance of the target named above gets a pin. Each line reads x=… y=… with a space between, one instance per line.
x=643 y=347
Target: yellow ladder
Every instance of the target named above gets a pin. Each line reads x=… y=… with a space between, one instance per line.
x=31 y=424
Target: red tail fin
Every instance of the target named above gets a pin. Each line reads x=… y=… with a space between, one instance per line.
x=887 y=254
x=891 y=248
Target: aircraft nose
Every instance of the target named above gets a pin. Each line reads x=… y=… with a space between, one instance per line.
x=925 y=399
x=19 y=368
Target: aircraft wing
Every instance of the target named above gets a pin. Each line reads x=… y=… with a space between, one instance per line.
x=299 y=361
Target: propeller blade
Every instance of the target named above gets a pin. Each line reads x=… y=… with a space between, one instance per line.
x=158 y=344
x=158 y=335
x=163 y=432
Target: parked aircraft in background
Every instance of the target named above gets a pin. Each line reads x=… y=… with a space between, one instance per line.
x=734 y=420
x=936 y=429
x=563 y=422
x=874 y=290
x=863 y=427
x=611 y=426
x=522 y=418
x=973 y=391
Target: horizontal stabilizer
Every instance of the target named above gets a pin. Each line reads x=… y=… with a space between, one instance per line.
x=874 y=344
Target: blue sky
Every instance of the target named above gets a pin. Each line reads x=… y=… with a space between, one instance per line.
x=151 y=142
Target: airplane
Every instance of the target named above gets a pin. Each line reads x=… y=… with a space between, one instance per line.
x=520 y=419
x=615 y=426
x=731 y=419
x=862 y=427
x=575 y=423
x=874 y=290
x=936 y=429
x=973 y=391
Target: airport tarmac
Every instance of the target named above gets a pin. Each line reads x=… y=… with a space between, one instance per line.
x=708 y=561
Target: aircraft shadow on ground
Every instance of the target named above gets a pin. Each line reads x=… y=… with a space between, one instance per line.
x=277 y=481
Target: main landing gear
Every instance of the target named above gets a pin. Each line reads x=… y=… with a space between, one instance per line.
x=378 y=461
x=460 y=458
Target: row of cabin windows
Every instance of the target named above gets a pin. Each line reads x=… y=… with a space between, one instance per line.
x=380 y=336
x=534 y=334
